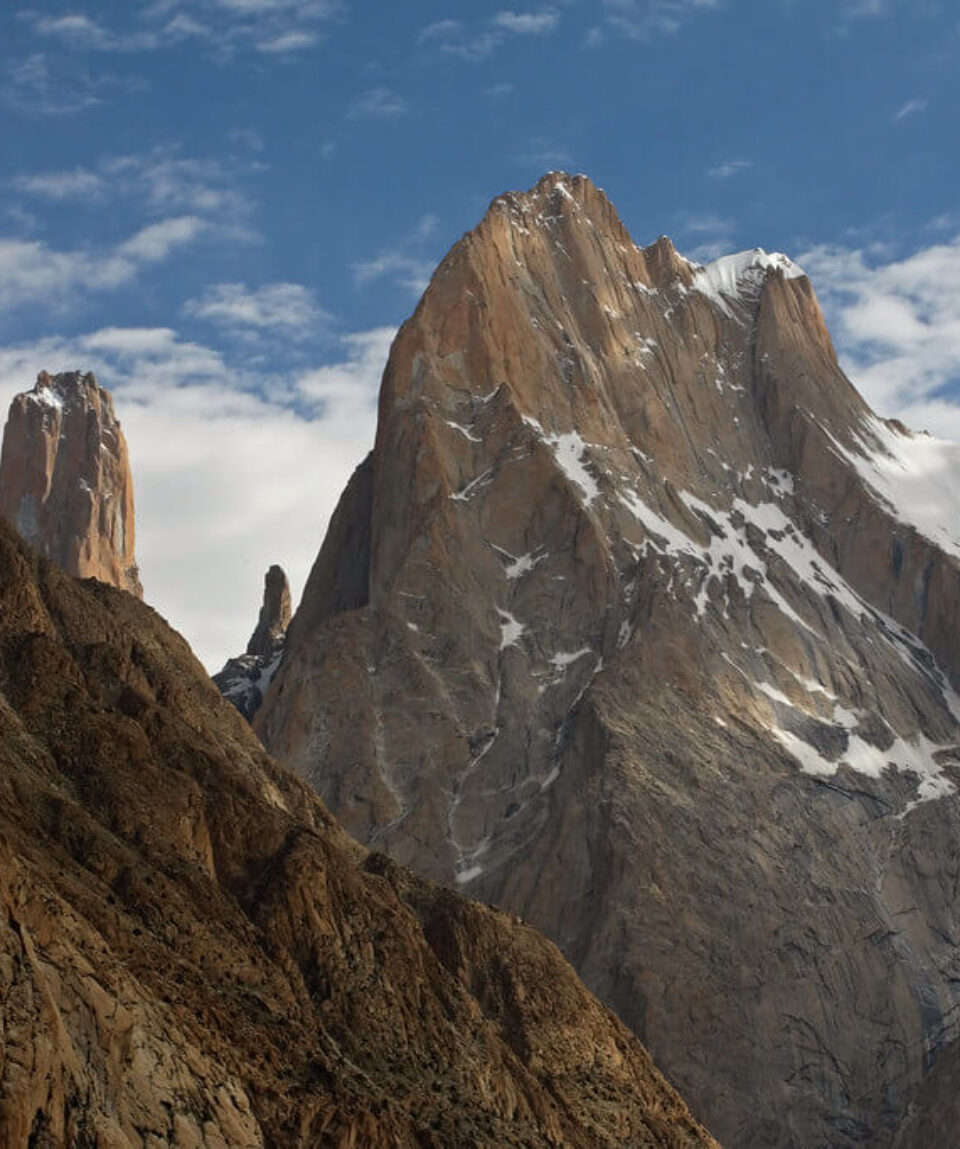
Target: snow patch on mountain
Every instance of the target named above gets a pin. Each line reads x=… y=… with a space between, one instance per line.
x=916 y=476
x=569 y=451
x=733 y=278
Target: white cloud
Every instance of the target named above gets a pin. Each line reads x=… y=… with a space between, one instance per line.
x=288 y=308
x=231 y=472
x=379 y=103
x=406 y=262
x=440 y=30
x=528 y=23
x=30 y=87
x=855 y=9
x=80 y=33
x=343 y=388
x=78 y=184
x=274 y=27
x=852 y=10
x=32 y=272
x=162 y=180
x=897 y=325
x=305 y=9
x=703 y=222
x=289 y=42
x=154 y=243
x=645 y=19
x=546 y=155
x=454 y=38
x=704 y=236
x=910 y=108
x=78 y=30
x=408 y=270
x=729 y=168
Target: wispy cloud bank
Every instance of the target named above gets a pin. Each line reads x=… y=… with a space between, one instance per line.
x=475 y=42
x=453 y=38
x=910 y=108
x=287 y=308
x=545 y=155
x=274 y=27
x=528 y=23
x=897 y=324
x=32 y=272
x=644 y=20
x=379 y=103
x=855 y=9
x=729 y=168
x=31 y=87
x=406 y=263
x=289 y=42
x=76 y=184
x=80 y=33
x=162 y=181
x=704 y=236
x=233 y=471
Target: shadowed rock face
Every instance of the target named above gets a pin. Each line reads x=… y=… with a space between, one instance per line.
x=193 y=953
x=65 y=479
x=243 y=681
x=274 y=615
x=636 y=622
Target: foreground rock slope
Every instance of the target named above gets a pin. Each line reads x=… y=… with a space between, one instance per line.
x=638 y=622
x=193 y=953
x=65 y=479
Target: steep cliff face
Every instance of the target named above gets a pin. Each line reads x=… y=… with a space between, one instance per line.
x=65 y=479
x=640 y=623
x=192 y=953
x=243 y=681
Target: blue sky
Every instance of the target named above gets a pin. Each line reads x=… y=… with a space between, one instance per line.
x=225 y=207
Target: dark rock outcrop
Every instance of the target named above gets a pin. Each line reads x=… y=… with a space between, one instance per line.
x=244 y=679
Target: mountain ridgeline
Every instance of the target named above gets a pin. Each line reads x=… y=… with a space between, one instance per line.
x=194 y=954
x=638 y=622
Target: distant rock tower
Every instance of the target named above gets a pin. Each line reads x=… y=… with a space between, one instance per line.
x=244 y=679
x=65 y=480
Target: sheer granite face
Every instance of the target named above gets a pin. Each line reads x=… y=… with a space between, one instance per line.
x=637 y=622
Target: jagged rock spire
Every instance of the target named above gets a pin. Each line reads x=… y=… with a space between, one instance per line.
x=244 y=679
x=274 y=614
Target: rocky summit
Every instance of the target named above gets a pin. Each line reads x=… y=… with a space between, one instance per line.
x=638 y=622
x=65 y=479
x=194 y=954
x=244 y=679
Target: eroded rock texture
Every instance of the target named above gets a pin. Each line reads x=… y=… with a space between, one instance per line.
x=638 y=622
x=193 y=953
x=65 y=479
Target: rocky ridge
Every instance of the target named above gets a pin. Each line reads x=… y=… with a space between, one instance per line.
x=243 y=681
x=65 y=480
x=640 y=623
x=193 y=953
